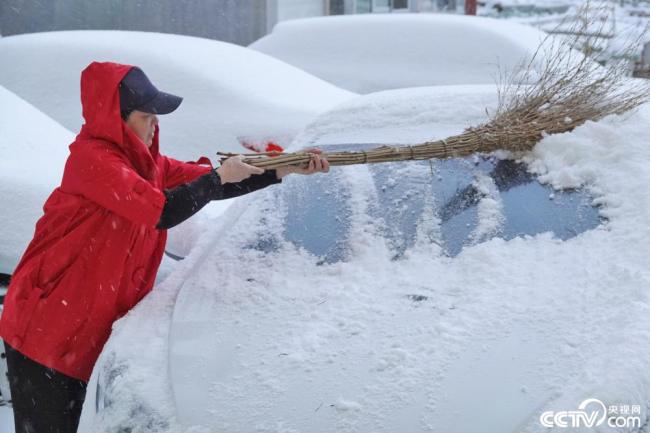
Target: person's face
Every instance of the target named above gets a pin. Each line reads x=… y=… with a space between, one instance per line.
x=143 y=124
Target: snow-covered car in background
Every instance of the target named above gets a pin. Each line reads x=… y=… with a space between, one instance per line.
x=367 y=53
x=34 y=149
x=464 y=295
x=232 y=95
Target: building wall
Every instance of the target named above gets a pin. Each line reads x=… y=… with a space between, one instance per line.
x=237 y=21
x=288 y=9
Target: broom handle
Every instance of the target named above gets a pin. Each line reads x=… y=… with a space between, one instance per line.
x=271 y=160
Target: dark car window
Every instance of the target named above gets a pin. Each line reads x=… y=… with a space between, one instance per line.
x=440 y=195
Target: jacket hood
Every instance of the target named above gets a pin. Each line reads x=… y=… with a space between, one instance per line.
x=100 y=101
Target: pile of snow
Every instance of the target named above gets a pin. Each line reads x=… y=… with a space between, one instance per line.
x=231 y=94
x=483 y=341
x=366 y=53
x=34 y=149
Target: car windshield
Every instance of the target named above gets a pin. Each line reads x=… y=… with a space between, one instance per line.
x=454 y=203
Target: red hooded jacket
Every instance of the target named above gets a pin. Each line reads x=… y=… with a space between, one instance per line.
x=96 y=250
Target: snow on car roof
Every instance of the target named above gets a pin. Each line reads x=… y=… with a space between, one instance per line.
x=230 y=92
x=401 y=116
x=366 y=53
x=34 y=148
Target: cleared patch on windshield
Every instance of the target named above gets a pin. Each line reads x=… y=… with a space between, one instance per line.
x=462 y=201
x=526 y=207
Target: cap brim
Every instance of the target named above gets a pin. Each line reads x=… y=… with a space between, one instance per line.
x=163 y=103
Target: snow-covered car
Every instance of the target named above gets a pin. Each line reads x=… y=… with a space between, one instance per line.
x=232 y=96
x=465 y=295
x=374 y=52
x=231 y=93
x=34 y=149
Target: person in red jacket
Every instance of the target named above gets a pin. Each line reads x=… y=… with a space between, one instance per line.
x=97 y=248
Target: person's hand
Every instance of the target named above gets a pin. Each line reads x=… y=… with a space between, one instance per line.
x=234 y=169
x=317 y=164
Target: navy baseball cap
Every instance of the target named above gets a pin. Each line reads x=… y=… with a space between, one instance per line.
x=137 y=93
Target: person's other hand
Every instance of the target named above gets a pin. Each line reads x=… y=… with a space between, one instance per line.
x=317 y=164
x=234 y=169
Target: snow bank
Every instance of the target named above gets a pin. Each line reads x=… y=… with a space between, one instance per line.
x=366 y=53
x=484 y=341
x=34 y=149
x=230 y=93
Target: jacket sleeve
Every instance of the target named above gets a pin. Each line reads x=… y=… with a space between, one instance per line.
x=250 y=184
x=108 y=180
x=179 y=172
x=185 y=200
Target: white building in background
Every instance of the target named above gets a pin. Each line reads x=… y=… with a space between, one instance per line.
x=280 y=10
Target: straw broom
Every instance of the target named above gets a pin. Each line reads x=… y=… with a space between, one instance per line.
x=571 y=89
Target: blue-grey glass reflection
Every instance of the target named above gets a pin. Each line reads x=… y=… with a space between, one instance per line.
x=529 y=207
